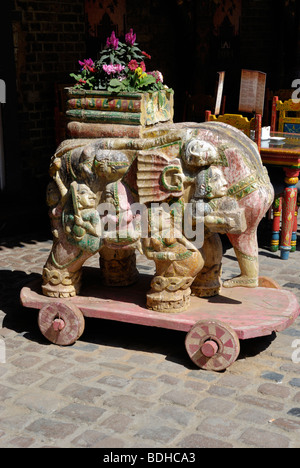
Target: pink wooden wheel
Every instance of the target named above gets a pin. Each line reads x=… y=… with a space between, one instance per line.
x=212 y=345
x=61 y=323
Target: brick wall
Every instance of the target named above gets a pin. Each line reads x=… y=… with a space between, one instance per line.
x=49 y=38
x=44 y=40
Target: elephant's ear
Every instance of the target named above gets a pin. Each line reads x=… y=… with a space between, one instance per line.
x=158 y=177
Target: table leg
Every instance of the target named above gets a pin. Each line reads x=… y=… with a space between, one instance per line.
x=277 y=208
x=288 y=212
x=294 y=233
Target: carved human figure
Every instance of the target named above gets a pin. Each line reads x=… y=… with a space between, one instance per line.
x=217 y=212
x=61 y=273
x=177 y=262
x=82 y=224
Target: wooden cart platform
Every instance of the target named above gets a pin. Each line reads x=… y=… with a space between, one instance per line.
x=214 y=325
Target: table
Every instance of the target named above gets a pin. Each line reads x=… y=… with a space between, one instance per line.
x=283 y=150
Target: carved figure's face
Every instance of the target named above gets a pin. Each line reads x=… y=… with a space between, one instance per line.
x=199 y=153
x=85 y=197
x=217 y=182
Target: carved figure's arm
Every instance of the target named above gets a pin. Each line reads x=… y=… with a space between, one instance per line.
x=61 y=187
x=89 y=224
x=226 y=216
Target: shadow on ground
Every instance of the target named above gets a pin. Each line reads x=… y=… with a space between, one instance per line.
x=27 y=238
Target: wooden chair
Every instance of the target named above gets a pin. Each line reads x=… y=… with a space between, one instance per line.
x=284 y=122
x=282 y=94
x=289 y=115
x=240 y=122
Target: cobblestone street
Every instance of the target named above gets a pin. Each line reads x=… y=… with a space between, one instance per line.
x=131 y=386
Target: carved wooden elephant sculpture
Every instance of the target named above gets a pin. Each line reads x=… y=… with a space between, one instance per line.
x=211 y=168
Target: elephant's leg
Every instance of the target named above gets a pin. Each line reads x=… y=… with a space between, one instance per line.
x=62 y=271
x=176 y=268
x=118 y=266
x=208 y=281
x=248 y=261
x=245 y=245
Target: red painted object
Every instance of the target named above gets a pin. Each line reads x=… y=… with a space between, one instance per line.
x=210 y=348
x=58 y=324
x=214 y=326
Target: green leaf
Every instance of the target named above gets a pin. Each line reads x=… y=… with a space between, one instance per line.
x=77 y=77
x=115 y=86
x=112 y=90
x=115 y=83
x=104 y=57
x=146 y=81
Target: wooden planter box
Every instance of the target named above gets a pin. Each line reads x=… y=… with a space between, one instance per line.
x=134 y=109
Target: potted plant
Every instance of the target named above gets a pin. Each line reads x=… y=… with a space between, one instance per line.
x=117 y=89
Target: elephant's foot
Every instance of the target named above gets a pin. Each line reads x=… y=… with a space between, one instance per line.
x=207 y=283
x=118 y=267
x=241 y=281
x=61 y=283
x=169 y=302
x=249 y=272
x=205 y=291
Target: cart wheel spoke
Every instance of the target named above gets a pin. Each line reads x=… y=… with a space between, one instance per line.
x=212 y=345
x=61 y=323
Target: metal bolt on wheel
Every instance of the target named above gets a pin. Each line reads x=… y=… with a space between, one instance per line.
x=212 y=345
x=61 y=323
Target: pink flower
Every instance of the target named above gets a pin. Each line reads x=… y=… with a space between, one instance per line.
x=130 y=37
x=111 y=69
x=143 y=66
x=157 y=75
x=87 y=64
x=112 y=41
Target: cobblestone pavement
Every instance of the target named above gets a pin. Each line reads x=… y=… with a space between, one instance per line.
x=125 y=386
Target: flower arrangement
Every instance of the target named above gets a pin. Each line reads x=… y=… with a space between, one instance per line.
x=120 y=68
